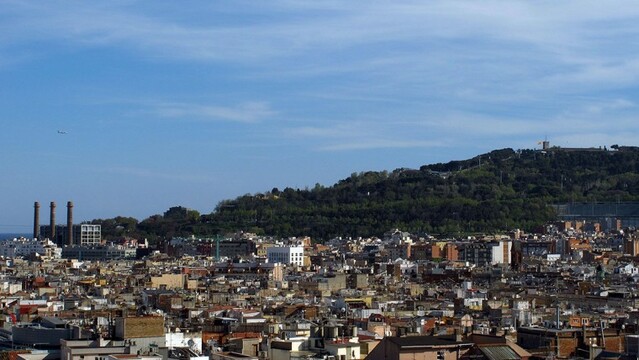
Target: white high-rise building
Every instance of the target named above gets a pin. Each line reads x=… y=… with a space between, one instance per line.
x=292 y=255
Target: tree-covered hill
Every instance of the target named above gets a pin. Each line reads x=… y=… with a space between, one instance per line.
x=501 y=190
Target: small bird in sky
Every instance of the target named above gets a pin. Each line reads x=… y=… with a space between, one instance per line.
x=62 y=132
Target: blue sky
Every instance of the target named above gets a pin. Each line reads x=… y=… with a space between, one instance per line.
x=187 y=103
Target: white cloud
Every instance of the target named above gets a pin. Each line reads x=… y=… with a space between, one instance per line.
x=451 y=67
x=477 y=125
x=148 y=173
x=599 y=106
x=498 y=50
x=297 y=28
x=368 y=144
x=359 y=135
x=246 y=113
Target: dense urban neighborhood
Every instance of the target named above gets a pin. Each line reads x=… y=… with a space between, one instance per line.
x=568 y=291
x=319 y=180
x=311 y=276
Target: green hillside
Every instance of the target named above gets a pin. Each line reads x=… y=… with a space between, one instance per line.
x=501 y=190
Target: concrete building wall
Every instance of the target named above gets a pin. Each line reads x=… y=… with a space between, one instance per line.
x=337 y=283
x=452 y=252
x=278 y=272
x=501 y=252
x=40 y=335
x=631 y=246
x=170 y=281
x=234 y=248
x=139 y=327
x=88 y=350
x=388 y=350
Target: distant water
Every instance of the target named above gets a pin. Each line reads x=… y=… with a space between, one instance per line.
x=5 y=236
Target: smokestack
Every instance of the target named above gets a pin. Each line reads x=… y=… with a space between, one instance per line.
x=69 y=223
x=36 y=220
x=52 y=223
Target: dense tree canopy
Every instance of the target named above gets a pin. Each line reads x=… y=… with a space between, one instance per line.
x=501 y=190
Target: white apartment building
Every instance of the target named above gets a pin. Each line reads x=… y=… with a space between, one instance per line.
x=292 y=255
x=501 y=252
x=482 y=253
x=88 y=234
x=26 y=247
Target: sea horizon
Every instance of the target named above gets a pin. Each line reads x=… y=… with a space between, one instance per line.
x=13 y=235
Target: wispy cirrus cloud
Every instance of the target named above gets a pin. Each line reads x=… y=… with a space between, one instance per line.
x=599 y=106
x=578 y=127
x=487 y=52
x=380 y=143
x=359 y=136
x=560 y=29
x=452 y=65
x=249 y=112
x=153 y=174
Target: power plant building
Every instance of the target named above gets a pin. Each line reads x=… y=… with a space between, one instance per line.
x=83 y=234
x=95 y=252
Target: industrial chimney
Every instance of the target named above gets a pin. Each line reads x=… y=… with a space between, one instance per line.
x=69 y=223
x=52 y=223
x=36 y=220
